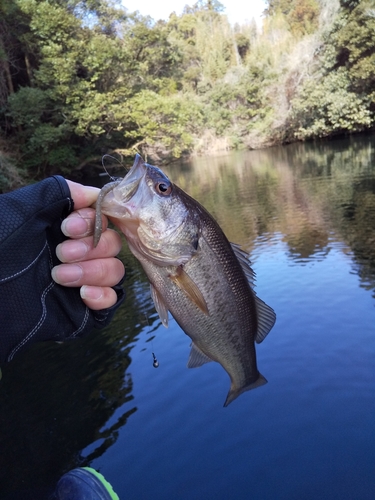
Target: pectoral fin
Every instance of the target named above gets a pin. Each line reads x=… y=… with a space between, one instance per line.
x=187 y=285
x=160 y=306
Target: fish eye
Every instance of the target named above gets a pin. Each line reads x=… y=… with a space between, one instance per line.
x=163 y=188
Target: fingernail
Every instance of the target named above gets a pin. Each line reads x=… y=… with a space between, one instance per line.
x=67 y=274
x=91 y=292
x=71 y=250
x=75 y=226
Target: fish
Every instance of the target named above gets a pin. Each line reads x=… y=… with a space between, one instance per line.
x=195 y=273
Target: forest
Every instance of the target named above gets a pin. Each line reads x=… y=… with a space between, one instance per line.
x=83 y=78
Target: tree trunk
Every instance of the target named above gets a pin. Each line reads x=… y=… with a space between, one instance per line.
x=29 y=70
x=8 y=76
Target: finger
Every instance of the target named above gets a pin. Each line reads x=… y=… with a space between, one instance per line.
x=97 y=272
x=98 y=298
x=80 y=223
x=83 y=249
x=83 y=196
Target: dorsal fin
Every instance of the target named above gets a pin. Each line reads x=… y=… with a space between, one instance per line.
x=266 y=315
x=243 y=259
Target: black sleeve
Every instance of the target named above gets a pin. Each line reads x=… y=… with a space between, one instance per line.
x=32 y=306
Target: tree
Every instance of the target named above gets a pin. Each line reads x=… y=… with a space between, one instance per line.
x=355 y=48
x=329 y=107
x=302 y=15
x=167 y=123
x=89 y=59
x=205 y=5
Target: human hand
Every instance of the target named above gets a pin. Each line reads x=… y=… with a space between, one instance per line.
x=95 y=270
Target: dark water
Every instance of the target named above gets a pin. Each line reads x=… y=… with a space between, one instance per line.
x=306 y=214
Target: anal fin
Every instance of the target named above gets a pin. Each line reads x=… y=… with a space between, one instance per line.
x=197 y=357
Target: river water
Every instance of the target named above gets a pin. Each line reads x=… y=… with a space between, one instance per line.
x=306 y=215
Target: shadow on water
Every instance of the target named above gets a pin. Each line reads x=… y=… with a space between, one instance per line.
x=61 y=405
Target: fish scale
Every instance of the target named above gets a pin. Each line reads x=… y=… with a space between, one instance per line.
x=204 y=281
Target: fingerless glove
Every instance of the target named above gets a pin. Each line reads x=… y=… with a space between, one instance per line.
x=32 y=306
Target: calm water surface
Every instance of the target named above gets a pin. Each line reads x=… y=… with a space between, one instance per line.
x=306 y=215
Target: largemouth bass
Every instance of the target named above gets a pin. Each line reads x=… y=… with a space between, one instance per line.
x=204 y=281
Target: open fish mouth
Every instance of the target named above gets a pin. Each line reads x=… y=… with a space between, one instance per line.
x=122 y=191
x=129 y=185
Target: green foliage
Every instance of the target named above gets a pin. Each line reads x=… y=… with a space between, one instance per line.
x=79 y=78
x=11 y=175
x=301 y=15
x=340 y=97
x=150 y=56
x=202 y=6
x=355 y=47
x=45 y=137
x=329 y=107
x=28 y=105
x=243 y=44
x=166 y=122
x=234 y=107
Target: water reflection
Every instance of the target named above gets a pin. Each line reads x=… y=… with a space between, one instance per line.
x=64 y=405
x=315 y=195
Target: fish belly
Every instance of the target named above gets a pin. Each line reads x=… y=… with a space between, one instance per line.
x=226 y=333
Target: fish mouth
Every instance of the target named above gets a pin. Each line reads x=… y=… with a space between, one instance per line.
x=130 y=183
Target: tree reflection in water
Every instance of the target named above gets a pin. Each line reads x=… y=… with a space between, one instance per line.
x=62 y=406
x=313 y=195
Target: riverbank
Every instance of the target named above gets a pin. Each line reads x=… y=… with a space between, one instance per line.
x=192 y=85
x=13 y=176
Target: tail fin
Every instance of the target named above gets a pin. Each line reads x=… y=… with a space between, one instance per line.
x=234 y=392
